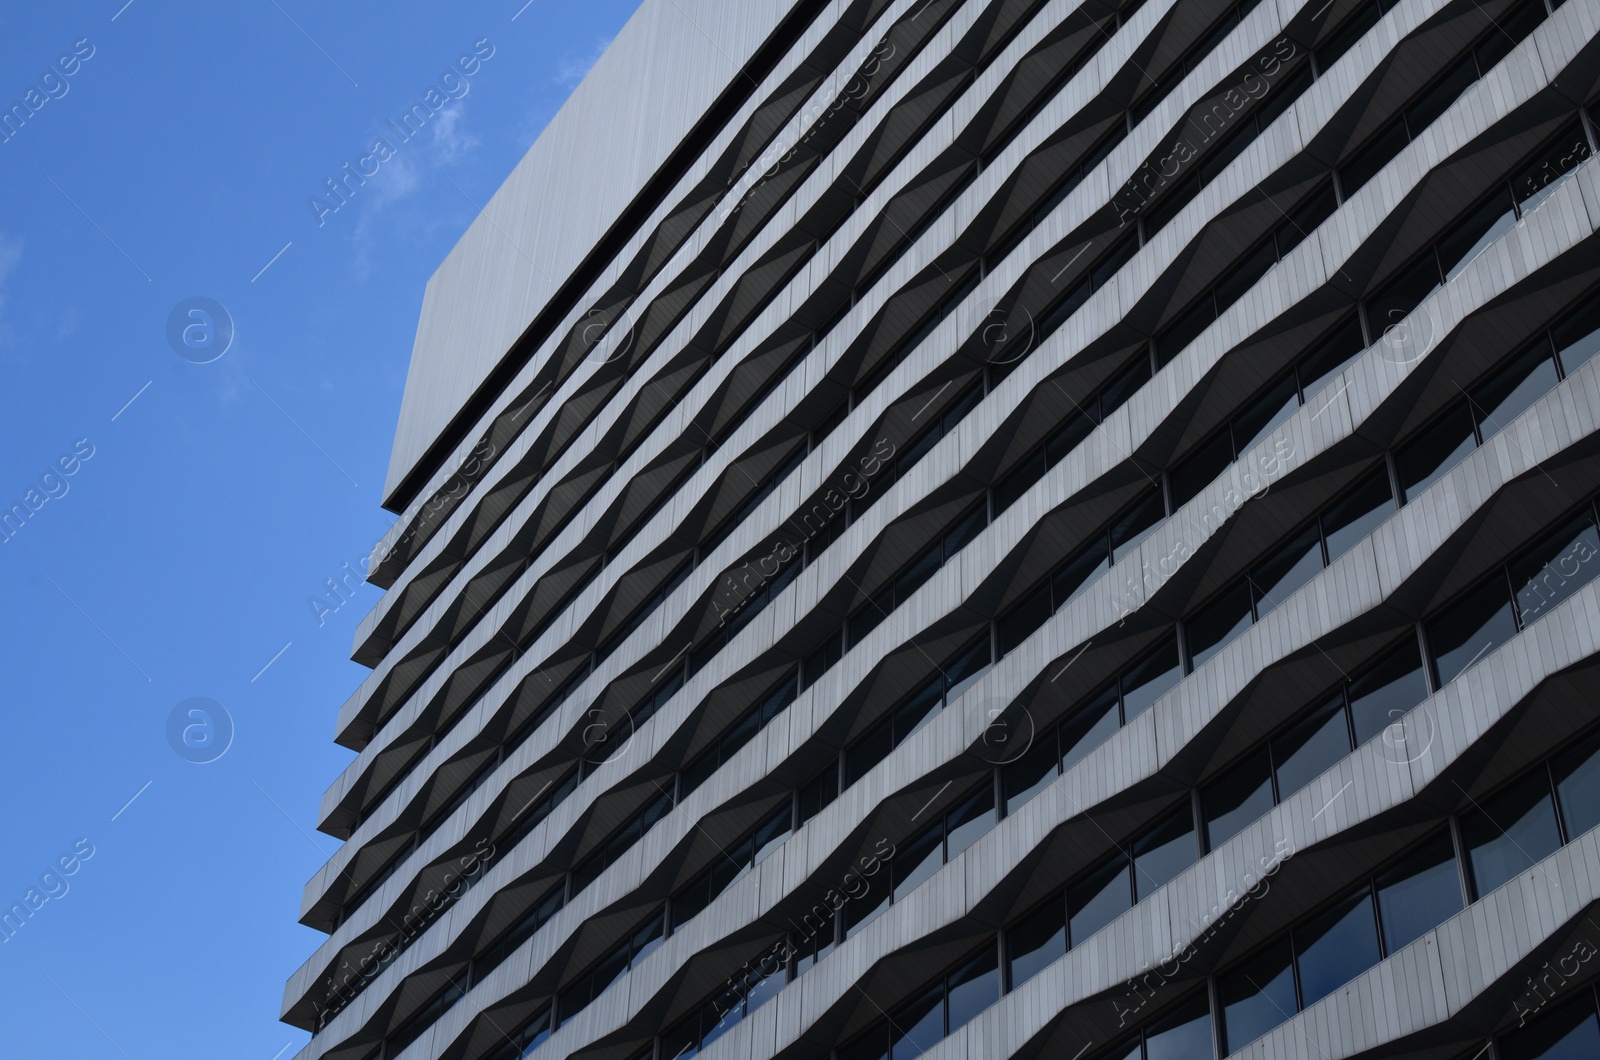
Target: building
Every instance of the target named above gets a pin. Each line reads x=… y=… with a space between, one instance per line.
x=998 y=528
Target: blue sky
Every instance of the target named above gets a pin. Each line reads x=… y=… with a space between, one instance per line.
x=175 y=155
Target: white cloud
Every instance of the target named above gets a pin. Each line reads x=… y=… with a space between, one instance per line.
x=572 y=68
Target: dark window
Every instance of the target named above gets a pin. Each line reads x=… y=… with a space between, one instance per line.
x=1028 y=775
x=1420 y=893
x=1135 y=525
x=1467 y=238
x=972 y=989
x=1557 y=567
x=1389 y=308
x=1290 y=567
x=1512 y=389
x=1358 y=514
x=1364 y=165
x=1567 y=1033
x=1088 y=728
x=1183 y=1035
x=1577 y=775
x=1470 y=628
x=1163 y=852
x=1336 y=947
x=1332 y=355
x=1151 y=679
x=1210 y=630
x=1237 y=798
x=819 y=792
x=1201 y=468
x=1511 y=831
x=1256 y=996
x=1311 y=747
x=1098 y=900
x=1578 y=338
x=1035 y=942
x=1383 y=695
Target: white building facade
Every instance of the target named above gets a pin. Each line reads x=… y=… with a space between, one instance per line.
x=998 y=528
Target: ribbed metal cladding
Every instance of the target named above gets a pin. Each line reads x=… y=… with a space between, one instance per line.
x=1045 y=529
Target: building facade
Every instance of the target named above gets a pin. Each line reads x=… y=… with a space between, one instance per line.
x=998 y=528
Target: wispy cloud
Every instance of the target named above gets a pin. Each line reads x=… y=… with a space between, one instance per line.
x=446 y=141
x=570 y=70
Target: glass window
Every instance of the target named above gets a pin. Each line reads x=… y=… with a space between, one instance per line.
x=965 y=671
x=1035 y=942
x=1201 y=469
x=1098 y=900
x=970 y=820
x=1116 y=393
x=1336 y=947
x=1256 y=996
x=1163 y=852
x=1437 y=99
x=1088 y=728
x=1243 y=275
x=1332 y=356
x=1578 y=338
x=1311 y=747
x=1567 y=1033
x=1470 y=628
x=1320 y=206
x=1235 y=799
x=1186 y=328
x=973 y=988
x=1136 y=524
x=1150 y=680
x=1358 y=514
x=1294 y=564
x=917 y=860
x=867 y=752
x=917 y=1027
x=1214 y=626
x=1557 y=567
x=1028 y=615
x=1184 y=1035
x=1382 y=696
x=1028 y=775
x=1515 y=387
x=1472 y=233
x=1263 y=417
x=819 y=792
x=1511 y=831
x=915 y=712
x=1070 y=580
x=1366 y=163
x=1420 y=893
x=1578 y=787
x=1425 y=459
x=874 y=1046
x=1541 y=176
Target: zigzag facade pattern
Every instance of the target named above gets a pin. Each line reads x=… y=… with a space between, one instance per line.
x=883 y=615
